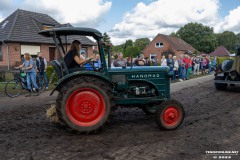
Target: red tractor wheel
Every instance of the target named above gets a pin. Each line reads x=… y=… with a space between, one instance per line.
x=170 y=115
x=85 y=107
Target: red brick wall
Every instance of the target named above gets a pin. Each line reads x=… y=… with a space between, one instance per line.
x=13 y=51
x=90 y=51
x=44 y=48
x=151 y=49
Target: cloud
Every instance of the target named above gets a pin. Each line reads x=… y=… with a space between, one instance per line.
x=5 y=7
x=77 y=12
x=231 y=22
x=164 y=16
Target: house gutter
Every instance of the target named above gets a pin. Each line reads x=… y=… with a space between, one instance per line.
x=8 y=59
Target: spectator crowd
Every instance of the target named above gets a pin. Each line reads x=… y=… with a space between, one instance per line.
x=181 y=67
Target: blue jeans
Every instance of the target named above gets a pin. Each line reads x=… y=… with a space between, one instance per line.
x=185 y=73
x=180 y=72
x=31 y=78
x=174 y=75
x=44 y=77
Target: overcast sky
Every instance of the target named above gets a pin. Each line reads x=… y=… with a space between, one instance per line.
x=131 y=19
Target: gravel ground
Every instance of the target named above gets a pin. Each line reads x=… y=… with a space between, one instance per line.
x=212 y=123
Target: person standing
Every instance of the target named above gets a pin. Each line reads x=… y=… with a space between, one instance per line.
x=155 y=61
x=140 y=60
x=186 y=62
x=175 y=68
x=98 y=63
x=147 y=61
x=190 y=65
x=214 y=63
x=204 y=66
x=41 y=64
x=119 y=62
x=170 y=62
x=31 y=74
x=196 y=66
x=163 y=61
x=181 y=67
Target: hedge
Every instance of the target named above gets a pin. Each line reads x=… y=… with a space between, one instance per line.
x=49 y=71
x=221 y=59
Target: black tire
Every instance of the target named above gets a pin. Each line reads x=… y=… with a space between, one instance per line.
x=13 y=88
x=150 y=109
x=169 y=115
x=89 y=114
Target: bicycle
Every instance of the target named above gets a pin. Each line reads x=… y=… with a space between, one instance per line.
x=14 y=87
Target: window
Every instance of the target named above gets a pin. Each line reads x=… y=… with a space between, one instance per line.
x=1 y=54
x=83 y=52
x=45 y=27
x=32 y=50
x=158 y=44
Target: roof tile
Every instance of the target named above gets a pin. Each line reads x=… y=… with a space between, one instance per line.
x=22 y=27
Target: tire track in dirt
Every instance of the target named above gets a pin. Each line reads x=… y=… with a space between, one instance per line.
x=212 y=122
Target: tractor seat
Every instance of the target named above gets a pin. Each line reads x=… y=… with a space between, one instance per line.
x=57 y=67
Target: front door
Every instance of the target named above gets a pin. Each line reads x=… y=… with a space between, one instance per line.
x=52 y=53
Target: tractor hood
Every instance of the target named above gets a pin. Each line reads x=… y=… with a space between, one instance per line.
x=138 y=71
x=140 y=68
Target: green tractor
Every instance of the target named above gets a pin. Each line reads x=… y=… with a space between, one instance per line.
x=87 y=97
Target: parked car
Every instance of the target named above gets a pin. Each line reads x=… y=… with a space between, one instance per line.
x=228 y=73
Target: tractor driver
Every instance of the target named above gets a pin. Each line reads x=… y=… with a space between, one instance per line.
x=72 y=59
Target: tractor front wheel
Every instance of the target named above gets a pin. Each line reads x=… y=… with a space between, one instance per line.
x=169 y=115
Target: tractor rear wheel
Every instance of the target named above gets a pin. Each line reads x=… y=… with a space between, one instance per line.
x=84 y=104
x=170 y=115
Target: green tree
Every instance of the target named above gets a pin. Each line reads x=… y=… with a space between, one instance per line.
x=130 y=49
x=199 y=36
x=173 y=34
x=106 y=39
x=117 y=49
x=127 y=44
x=228 y=40
x=141 y=43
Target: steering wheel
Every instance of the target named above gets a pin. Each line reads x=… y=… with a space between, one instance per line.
x=92 y=64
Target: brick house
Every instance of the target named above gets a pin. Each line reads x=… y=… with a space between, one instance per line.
x=18 y=35
x=163 y=44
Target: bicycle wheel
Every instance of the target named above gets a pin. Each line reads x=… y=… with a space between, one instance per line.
x=13 y=88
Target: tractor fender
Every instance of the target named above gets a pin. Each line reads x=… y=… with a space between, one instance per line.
x=80 y=73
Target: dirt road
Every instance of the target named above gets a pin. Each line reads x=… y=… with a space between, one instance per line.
x=212 y=123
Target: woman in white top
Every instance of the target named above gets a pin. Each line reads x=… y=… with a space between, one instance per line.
x=175 y=68
x=163 y=61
